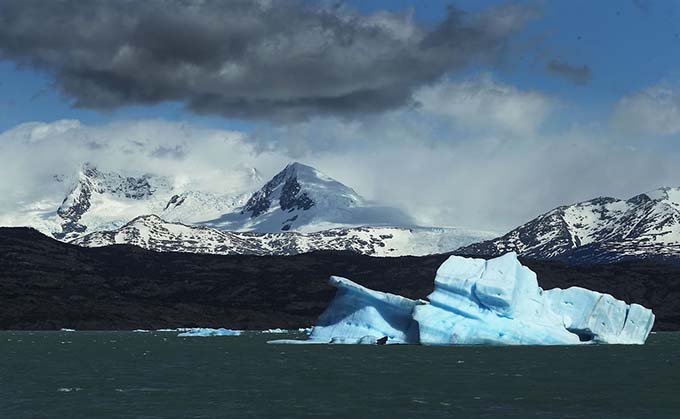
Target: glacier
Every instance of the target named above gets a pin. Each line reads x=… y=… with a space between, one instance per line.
x=481 y=302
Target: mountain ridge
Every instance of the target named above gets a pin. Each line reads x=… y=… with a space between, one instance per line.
x=153 y=233
x=600 y=230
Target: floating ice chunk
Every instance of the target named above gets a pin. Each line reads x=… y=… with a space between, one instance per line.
x=506 y=306
x=496 y=302
x=275 y=331
x=360 y=315
x=206 y=332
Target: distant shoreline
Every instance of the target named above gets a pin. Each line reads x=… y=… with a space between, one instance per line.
x=49 y=285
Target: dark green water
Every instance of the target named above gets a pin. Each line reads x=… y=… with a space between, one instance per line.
x=142 y=375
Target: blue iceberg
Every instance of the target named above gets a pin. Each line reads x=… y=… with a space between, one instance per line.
x=360 y=315
x=480 y=302
x=207 y=332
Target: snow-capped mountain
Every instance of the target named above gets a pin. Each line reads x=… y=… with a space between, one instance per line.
x=601 y=230
x=298 y=210
x=107 y=200
x=301 y=198
x=151 y=232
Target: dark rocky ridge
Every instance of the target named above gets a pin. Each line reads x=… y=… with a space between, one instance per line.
x=46 y=284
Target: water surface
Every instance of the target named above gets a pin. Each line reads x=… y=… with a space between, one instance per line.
x=158 y=375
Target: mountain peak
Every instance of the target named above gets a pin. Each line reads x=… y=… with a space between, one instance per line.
x=303 y=199
x=88 y=170
x=297 y=166
x=304 y=173
x=299 y=187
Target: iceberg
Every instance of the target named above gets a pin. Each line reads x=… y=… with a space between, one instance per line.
x=480 y=302
x=206 y=332
x=359 y=315
x=499 y=302
x=275 y=331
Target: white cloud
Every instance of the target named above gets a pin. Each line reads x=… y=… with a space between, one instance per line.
x=654 y=111
x=484 y=104
x=214 y=160
x=416 y=159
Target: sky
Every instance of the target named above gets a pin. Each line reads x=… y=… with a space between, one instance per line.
x=481 y=114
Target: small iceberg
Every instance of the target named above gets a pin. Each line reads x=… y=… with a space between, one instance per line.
x=275 y=331
x=207 y=332
x=480 y=302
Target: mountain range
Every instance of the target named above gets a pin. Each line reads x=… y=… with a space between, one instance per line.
x=299 y=210
x=601 y=230
x=153 y=233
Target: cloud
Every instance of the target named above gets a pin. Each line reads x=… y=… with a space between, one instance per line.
x=485 y=176
x=481 y=180
x=286 y=59
x=483 y=104
x=579 y=75
x=206 y=159
x=654 y=111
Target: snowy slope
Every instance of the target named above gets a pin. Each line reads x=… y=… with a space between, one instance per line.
x=170 y=214
x=300 y=198
x=151 y=232
x=99 y=200
x=600 y=230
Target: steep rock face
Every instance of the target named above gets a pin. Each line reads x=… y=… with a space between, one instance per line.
x=601 y=230
x=285 y=188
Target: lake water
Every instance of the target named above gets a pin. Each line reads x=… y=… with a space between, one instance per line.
x=158 y=375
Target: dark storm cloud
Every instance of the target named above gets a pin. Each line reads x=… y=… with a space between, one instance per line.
x=576 y=74
x=281 y=59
